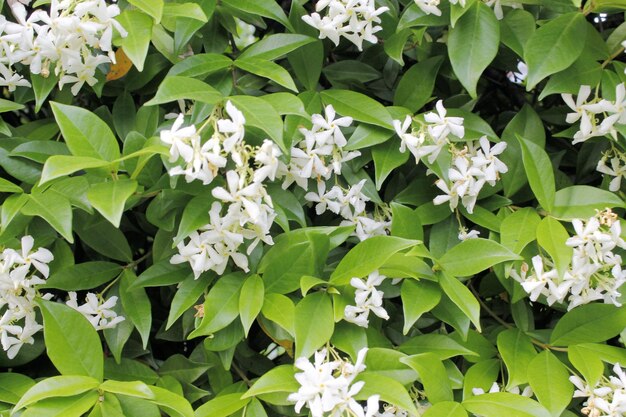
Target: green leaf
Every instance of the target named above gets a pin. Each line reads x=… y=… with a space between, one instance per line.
x=54 y=209
x=387 y=157
x=187 y=294
x=442 y=345
x=13 y=386
x=405 y=222
x=549 y=379
x=554 y=47
x=222 y=406
x=278 y=379
x=109 y=198
x=500 y=404
x=516 y=28
x=517 y=351
x=100 y=235
x=139 y=27
x=418 y=297
x=131 y=388
x=481 y=375
x=296 y=254
x=551 y=236
x=200 y=65
x=57 y=386
x=83 y=276
x=589 y=323
x=61 y=165
x=462 y=297
x=390 y=391
x=136 y=305
x=258 y=114
x=161 y=274
x=473 y=44
x=314 y=323
x=195 y=215
x=152 y=7
x=8 y=187
x=175 y=405
x=267 y=69
x=307 y=63
x=473 y=256
x=42 y=86
x=519 y=229
x=221 y=305
x=368 y=256
x=187 y=10
x=433 y=376
x=587 y=362
x=416 y=85
x=358 y=106
x=286 y=103
x=6 y=106
x=276 y=46
x=176 y=88
x=40 y=151
x=264 y=8
x=75 y=406
x=446 y=409
x=75 y=352
x=582 y=72
x=85 y=133
x=582 y=201
x=281 y=310
x=526 y=124
x=368 y=135
x=539 y=172
x=251 y=300
x=350 y=70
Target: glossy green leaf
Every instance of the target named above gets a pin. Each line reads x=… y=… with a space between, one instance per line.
x=473 y=256
x=517 y=352
x=85 y=133
x=267 y=69
x=418 y=297
x=358 y=106
x=276 y=46
x=554 y=47
x=57 y=386
x=368 y=256
x=222 y=406
x=433 y=376
x=390 y=390
x=500 y=404
x=462 y=297
x=473 y=44
x=265 y=8
x=539 y=172
x=260 y=115
x=416 y=85
x=446 y=409
x=278 y=379
x=387 y=157
x=582 y=201
x=549 y=379
x=136 y=305
x=75 y=352
x=519 y=229
x=221 y=305
x=314 y=323
x=61 y=165
x=53 y=208
x=109 y=198
x=152 y=7
x=589 y=323
x=136 y=43
x=83 y=276
x=551 y=236
x=176 y=88
x=251 y=300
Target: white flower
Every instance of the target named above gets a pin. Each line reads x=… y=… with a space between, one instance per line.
x=234 y=127
x=444 y=125
x=429 y=6
x=464 y=234
x=408 y=140
x=98 y=311
x=367 y=298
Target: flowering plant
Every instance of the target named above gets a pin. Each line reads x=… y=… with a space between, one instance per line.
x=327 y=208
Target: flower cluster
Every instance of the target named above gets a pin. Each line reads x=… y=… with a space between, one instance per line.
x=244 y=212
x=367 y=298
x=607 y=398
x=432 y=136
x=355 y=20
x=98 y=311
x=321 y=153
x=527 y=391
x=18 y=283
x=350 y=204
x=588 y=112
x=617 y=168
x=472 y=167
x=73 y=36
x=595 y=271
x=327 y=388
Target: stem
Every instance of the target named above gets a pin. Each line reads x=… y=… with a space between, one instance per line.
x=138 y=261
x=241 y=374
